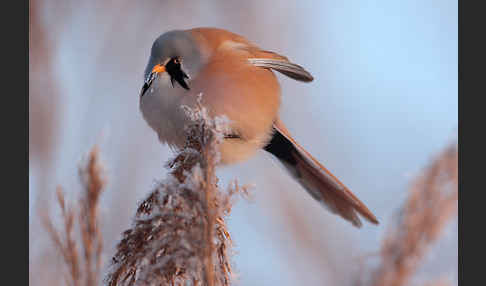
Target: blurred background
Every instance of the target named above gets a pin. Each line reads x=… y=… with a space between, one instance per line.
x=383 y=103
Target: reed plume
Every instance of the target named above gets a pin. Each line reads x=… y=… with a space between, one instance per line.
x=431 y=203
x=83 y=269
x=179 y=235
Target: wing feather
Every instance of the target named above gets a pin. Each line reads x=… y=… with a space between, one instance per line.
x=283 y=66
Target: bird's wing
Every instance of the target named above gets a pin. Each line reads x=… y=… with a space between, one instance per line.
x=222 y=41
x=272 y=60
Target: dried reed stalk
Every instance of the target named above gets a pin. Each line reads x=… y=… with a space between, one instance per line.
x=432 y=202
x=179 y=236
x=93 y=183
x=83 y=270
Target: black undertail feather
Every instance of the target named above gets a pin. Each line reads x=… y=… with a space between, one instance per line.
x=281 y=148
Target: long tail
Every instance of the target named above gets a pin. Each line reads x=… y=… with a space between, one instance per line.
x=316 y=179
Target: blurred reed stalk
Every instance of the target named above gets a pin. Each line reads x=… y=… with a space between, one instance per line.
x=179 y=236
x=431 y=203
x=84 y=269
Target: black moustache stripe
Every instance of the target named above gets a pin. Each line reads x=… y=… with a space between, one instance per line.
x=176 y=73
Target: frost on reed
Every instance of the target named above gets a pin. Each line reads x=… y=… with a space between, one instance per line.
x=179 y=236
x=431 y=203
x=84 y=267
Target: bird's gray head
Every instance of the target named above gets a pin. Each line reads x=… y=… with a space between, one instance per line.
x=175 y=53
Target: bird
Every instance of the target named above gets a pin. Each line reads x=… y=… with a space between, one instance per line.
x=236 y=79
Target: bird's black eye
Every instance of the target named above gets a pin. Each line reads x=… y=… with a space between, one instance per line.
x=174 y=69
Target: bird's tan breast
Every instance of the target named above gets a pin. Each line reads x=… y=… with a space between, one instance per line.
x=249 y=96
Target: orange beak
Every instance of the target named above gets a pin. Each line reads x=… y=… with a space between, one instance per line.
x=158 y=69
